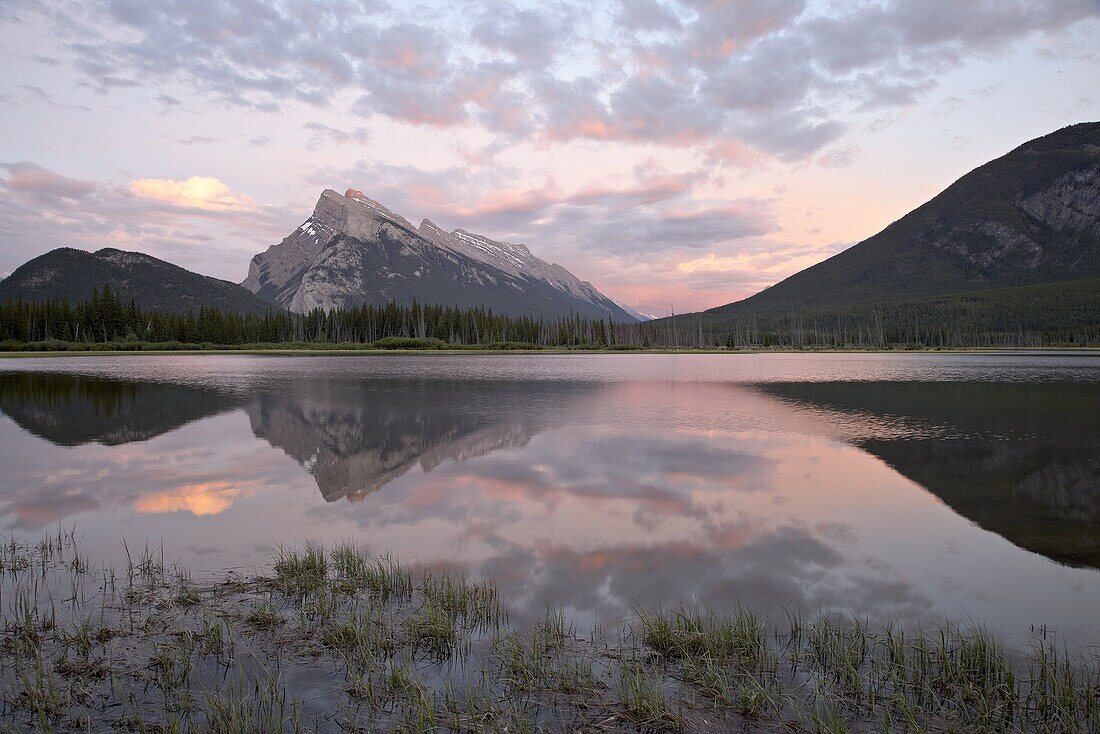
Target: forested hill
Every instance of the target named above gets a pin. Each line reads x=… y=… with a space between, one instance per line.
x=1030 y=217
x=66 y=274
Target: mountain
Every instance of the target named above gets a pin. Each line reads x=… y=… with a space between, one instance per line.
x=1028 y=218
x=153 y=284
x=353 y=250
x=638 y=315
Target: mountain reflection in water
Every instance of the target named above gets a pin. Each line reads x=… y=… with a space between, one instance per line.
x=592 y=490
x=354 y=437
x=1020 y=460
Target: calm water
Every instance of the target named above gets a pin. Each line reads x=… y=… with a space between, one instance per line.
x=907 y=486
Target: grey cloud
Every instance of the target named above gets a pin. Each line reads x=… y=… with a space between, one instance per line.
x=722 y=28
x=533 y=38
x=197 y=140
x=790 y=135
x=37 y=93
x=27 y=179
x=984 y=24
x=631 y=232
x=776 y=74
x=322 y=133
x=647 y=15
x=878 y=93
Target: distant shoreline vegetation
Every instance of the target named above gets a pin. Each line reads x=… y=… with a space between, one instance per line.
x=1052 y=316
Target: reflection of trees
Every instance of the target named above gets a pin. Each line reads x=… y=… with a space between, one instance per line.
x=1020 y=460
x=70 y=410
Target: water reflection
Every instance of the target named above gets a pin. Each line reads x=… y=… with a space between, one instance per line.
x=70 y=410
x=1019 y=460
x=595 y=492
x=355 y=436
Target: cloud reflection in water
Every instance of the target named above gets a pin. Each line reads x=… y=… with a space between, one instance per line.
x=597 y=494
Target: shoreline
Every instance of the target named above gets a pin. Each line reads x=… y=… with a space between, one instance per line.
x=339 y=640
x=365 y=352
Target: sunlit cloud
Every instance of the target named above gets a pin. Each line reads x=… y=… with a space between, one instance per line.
x=197 y=192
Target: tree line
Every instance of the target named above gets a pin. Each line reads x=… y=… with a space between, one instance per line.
x=109 y=319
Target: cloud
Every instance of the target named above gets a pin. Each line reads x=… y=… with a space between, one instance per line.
x=197 y=140
x=197 y=192
x=780 y=76
x=323 y=133
x=36 y=182
x=37 y=93
x=654 y=211
x=531 y=38
x=199 y=223
x=647 y=15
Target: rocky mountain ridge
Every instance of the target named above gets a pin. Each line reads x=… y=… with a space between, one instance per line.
x=353 y=250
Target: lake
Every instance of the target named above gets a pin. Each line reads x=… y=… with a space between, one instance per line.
x=897 y=486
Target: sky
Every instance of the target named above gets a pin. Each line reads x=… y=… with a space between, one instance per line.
x=678 y=154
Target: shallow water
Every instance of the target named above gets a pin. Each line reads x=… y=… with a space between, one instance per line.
x=910 y=486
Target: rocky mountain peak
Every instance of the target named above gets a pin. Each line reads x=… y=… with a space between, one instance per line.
x=354 y=213
x=354 y=250
x=432 y=232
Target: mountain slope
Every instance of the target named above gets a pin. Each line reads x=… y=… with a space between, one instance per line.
x=1029 y=217
x=153 y=284
x=353 y=250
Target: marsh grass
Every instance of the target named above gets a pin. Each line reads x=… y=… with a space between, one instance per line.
x=475 y=602
x=250 y=705
x=643 y=700
x=362 y=638
x=300 y=572
x=264 y=617
x=383 y=577
x=346 y=641
x=434 y=627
